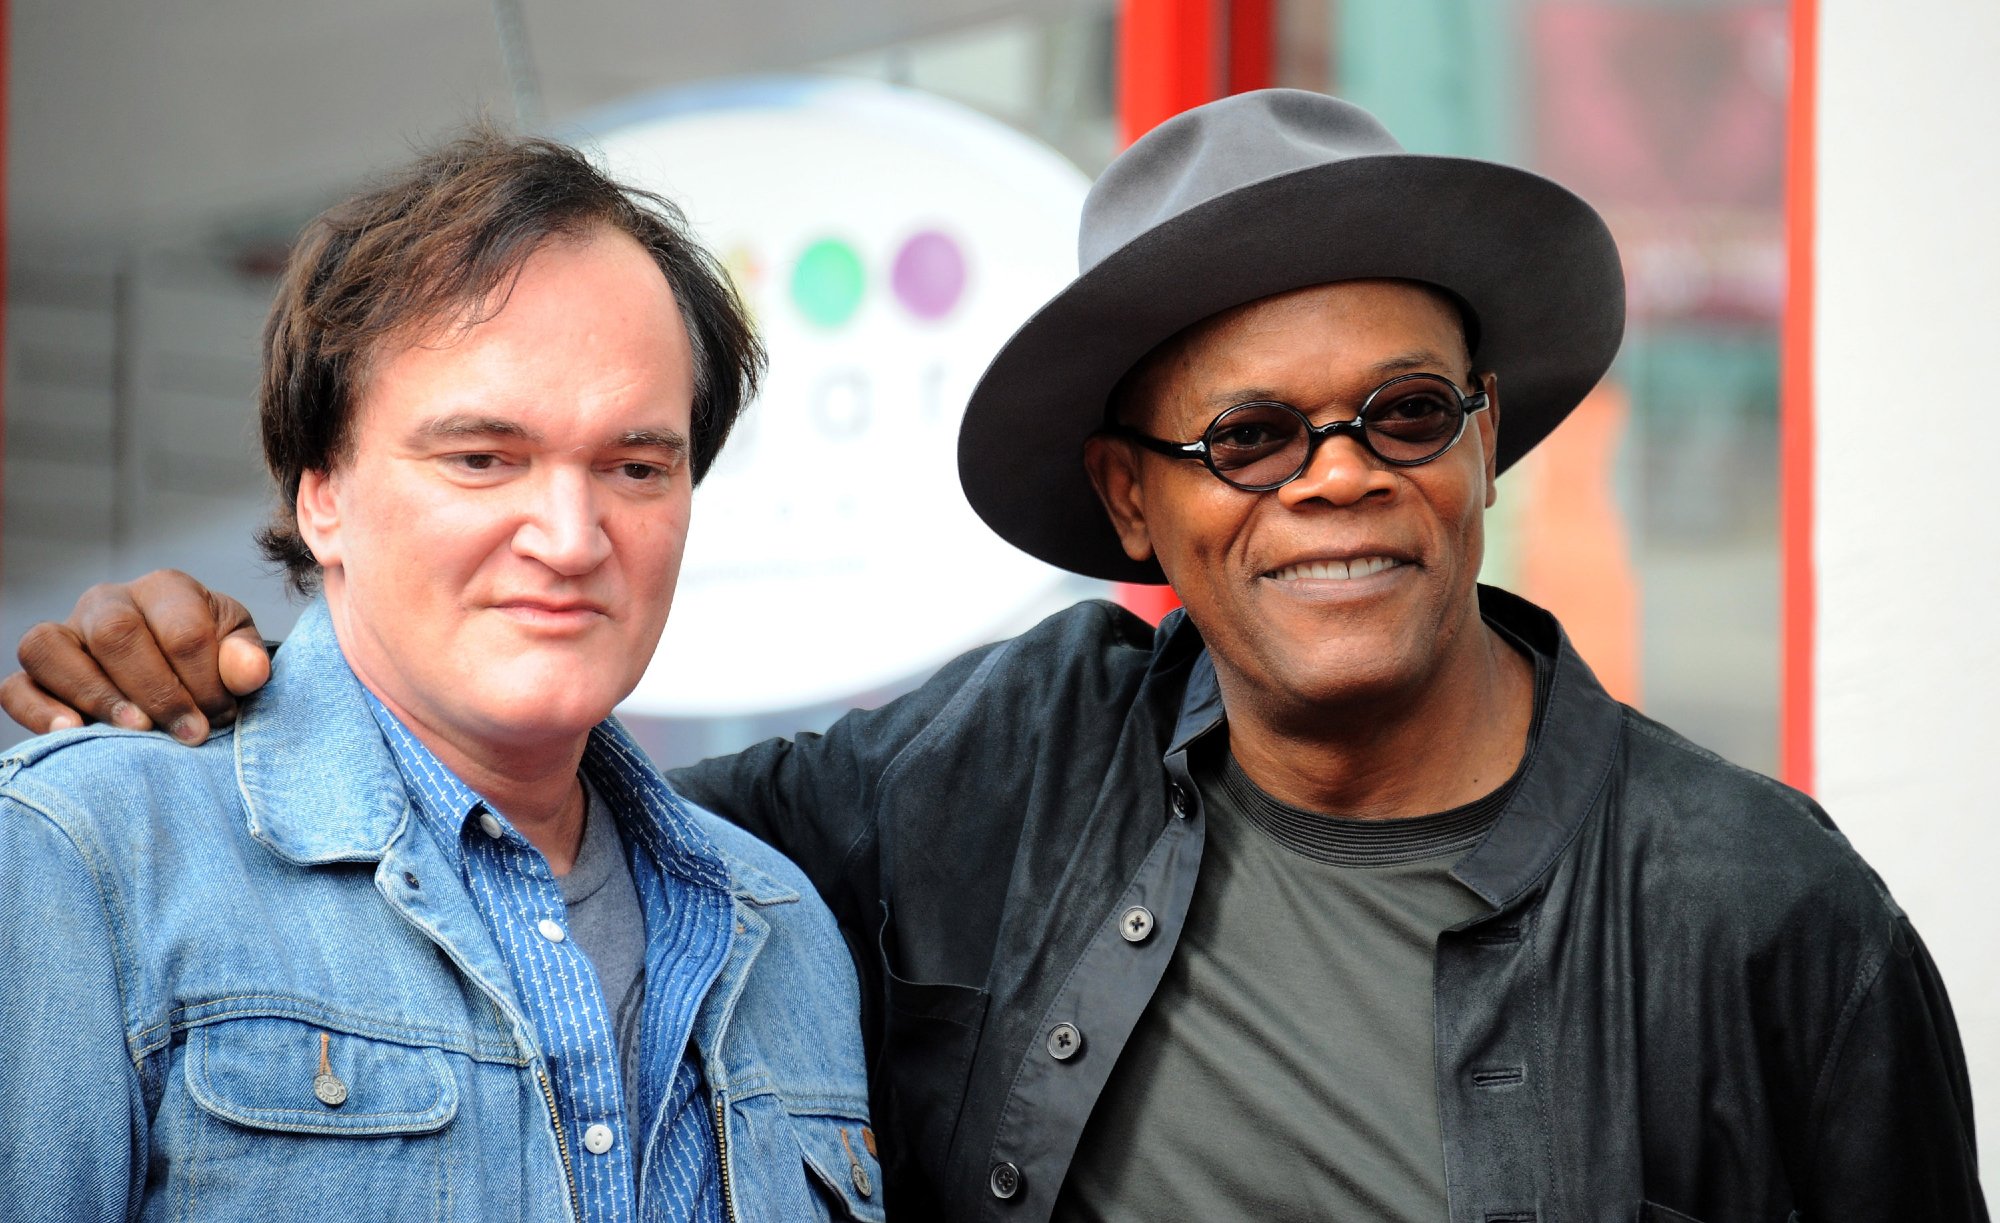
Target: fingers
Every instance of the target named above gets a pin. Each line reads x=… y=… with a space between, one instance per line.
x=61 y=675
x=155 y=642
x=29 y=706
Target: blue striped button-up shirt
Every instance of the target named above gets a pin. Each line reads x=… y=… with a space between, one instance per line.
x=683 y=890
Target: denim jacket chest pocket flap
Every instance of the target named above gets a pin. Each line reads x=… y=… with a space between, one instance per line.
x=266 y=1073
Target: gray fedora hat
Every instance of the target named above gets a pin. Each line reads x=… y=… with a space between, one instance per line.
x=1258 y=194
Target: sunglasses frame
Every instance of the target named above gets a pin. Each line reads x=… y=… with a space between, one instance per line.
x=1201 y=450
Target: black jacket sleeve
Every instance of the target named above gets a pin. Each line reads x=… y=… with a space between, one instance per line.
x=1892 y=1121
x=816 y=798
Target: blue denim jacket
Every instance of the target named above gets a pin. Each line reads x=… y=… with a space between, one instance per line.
x=179 y=928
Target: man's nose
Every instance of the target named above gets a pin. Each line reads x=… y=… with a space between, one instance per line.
x=1341 y=472
x=563 y=526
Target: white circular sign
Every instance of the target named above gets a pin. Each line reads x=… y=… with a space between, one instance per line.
x=887 y=243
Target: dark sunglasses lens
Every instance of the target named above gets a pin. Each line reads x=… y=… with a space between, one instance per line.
x=1413 y=418
x=1257 y=443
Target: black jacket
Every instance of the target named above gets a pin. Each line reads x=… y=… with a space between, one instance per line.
x=1691 y=993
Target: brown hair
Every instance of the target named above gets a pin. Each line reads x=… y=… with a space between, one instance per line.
x=440 y=243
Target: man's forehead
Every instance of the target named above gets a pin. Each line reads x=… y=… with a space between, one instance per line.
x=1414 y=326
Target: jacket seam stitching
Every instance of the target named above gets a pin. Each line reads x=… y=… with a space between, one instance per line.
x=114 y=918
x=1864 y=985
x=305 y=1010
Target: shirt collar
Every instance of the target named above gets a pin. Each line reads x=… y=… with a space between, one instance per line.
x=321 y=781
x=647 y=811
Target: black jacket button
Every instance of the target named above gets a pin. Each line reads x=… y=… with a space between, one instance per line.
x=1004 y=1180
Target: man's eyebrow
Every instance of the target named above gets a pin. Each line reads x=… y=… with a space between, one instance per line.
x=1416 y=359
x=652 y=439
x=465 y=425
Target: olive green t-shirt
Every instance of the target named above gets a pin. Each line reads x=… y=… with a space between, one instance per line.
x=1283 y=1069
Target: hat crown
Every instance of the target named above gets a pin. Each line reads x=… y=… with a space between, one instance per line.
x=1217 y=148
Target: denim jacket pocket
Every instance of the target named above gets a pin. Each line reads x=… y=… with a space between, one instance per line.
x=267 y=1073
x=840 y=1154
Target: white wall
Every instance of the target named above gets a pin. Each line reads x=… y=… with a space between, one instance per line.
x=1907 y=534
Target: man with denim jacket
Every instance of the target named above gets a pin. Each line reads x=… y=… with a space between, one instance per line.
x=1348 y=893
x=424 y=936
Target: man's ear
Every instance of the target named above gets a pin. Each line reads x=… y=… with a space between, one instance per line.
x=1488 y=423
x=1113 y=465
x=318 y=509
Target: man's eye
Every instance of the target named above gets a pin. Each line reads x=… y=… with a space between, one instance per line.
x=476 y=462
x=1247 y=437
x=643 y=472
x=1416 y=407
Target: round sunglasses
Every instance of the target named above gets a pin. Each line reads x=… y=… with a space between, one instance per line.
x=1258 y=446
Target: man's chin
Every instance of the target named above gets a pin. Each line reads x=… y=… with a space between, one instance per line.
x=536 y=709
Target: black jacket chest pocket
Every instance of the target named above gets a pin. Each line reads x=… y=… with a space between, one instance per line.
x=286 y=1076
x=931 y=1030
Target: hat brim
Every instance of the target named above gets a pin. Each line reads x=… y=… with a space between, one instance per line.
x=1536 y=265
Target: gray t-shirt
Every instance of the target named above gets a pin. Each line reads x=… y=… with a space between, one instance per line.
x=606 y=921
x=1285 y=1064
x=1284 y=1068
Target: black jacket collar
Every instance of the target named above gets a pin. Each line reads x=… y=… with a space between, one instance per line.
x=1569 y=758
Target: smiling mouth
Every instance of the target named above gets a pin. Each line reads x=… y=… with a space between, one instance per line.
x=1339 y=571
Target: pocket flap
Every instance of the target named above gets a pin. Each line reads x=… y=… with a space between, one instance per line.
x=840 y=1152
x=265 y=1073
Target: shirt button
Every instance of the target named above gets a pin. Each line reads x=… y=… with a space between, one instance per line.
x=1065 y=1042
x=597 y=1139
x=550 y=930
x=1004 y=1180
x=1137 y=924
x=1180 y=798
x=489 y=824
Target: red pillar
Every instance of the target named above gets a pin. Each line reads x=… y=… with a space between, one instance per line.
x=1795 y=412
x=1174 y=55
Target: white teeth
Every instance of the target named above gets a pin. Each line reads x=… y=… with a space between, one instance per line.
x=1359 y=567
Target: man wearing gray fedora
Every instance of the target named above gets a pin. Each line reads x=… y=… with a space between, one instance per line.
x=1347 y=893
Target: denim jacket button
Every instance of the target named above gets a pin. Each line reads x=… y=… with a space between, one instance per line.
x=1136 y=924
x=1004 y=1180
x=597 y=1139
x=1065 y=1042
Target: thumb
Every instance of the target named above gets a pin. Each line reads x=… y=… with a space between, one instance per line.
x=240 y=656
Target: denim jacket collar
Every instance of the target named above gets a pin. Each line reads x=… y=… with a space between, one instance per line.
x=1568 y=761
x=359 y=805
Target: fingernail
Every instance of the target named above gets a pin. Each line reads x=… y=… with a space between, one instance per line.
x=65 y=721
x=127 y=715
x=189 y=729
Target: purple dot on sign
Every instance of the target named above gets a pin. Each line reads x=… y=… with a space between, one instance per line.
x=929 y=275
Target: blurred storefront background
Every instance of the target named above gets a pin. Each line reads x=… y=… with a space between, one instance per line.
x=160 y=163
